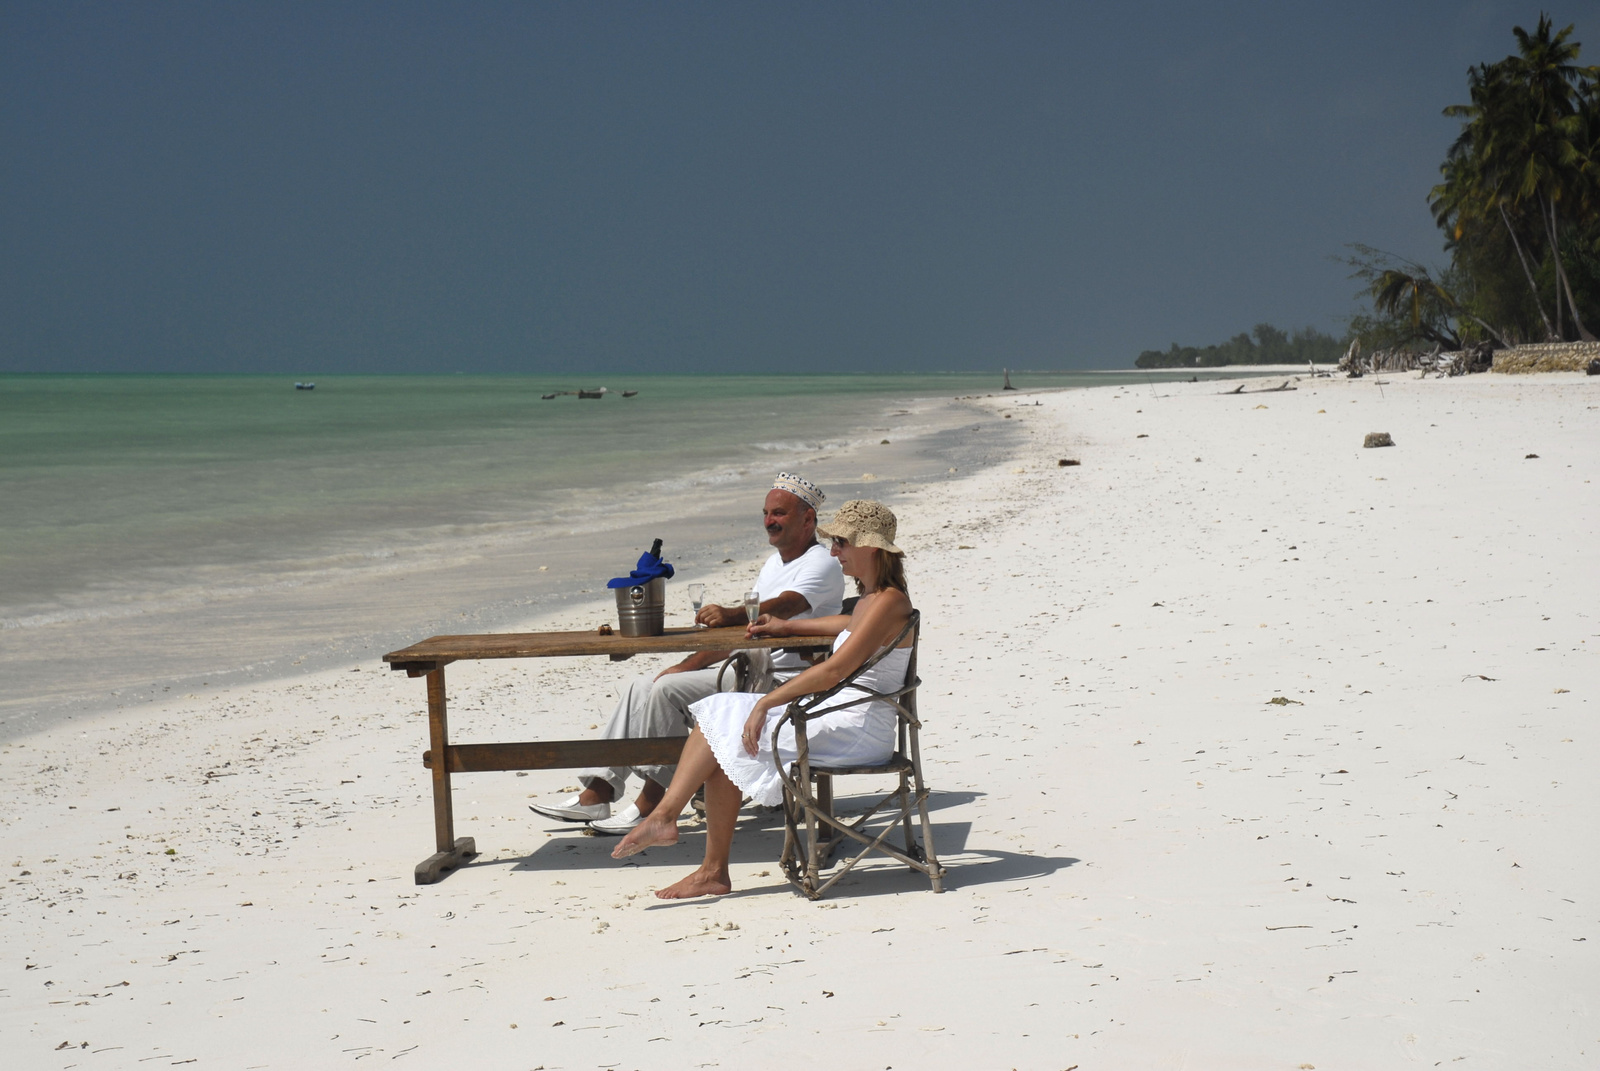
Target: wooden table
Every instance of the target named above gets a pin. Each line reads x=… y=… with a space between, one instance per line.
x=428 y=659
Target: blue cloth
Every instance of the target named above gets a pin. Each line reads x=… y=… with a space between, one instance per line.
x=649 y=568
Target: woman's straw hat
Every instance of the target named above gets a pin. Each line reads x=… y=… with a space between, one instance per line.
x=864 y=523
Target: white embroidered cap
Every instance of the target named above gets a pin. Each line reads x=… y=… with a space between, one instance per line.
x=801 y=488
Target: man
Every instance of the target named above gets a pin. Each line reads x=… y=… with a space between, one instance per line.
x=800 y=580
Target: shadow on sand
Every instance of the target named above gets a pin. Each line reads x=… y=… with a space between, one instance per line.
x=759 y=840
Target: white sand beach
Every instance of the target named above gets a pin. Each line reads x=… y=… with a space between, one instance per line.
x=1151 y=864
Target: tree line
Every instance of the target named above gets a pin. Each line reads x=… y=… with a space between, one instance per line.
x=1264 y=345
x=1519 y=207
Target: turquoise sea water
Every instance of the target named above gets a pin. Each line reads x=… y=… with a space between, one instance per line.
x=139 y=508
x=113 y=478
x=110 y=480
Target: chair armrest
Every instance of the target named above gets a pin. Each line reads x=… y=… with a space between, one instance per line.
x=741 y=670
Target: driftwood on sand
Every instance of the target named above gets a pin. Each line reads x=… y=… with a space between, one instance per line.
x=1265 y=390
x=1436 y=361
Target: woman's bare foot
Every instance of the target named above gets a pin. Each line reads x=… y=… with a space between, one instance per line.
x=700 y=883
x=656 y=831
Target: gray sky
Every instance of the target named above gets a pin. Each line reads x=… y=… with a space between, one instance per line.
x=707 y=187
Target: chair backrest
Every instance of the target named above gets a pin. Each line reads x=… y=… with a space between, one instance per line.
x=904 y=698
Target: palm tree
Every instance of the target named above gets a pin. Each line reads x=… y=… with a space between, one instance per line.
x=1417 y=297
x=1467 y=194
x=1414 y=294
x=1525 y=147
x=1553 y=83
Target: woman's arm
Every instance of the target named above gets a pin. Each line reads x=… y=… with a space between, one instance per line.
x=768 y=625
x=873 y=625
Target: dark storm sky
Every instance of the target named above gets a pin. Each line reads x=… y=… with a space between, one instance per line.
x=706 y=187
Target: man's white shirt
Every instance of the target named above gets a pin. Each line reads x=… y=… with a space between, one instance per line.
x=817 y=578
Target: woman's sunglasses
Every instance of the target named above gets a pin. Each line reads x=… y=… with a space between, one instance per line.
x=840 y=542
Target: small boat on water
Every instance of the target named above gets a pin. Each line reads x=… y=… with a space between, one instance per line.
x=629 y=393
x=305 y=386
x=597 y=392
x=1007 y=373
x=546 y=397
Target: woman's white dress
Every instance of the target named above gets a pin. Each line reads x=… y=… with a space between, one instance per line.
x=861 y=735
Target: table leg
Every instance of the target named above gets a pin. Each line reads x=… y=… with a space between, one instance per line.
x=450 y=852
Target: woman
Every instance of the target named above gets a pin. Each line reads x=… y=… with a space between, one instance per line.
x=730 y=749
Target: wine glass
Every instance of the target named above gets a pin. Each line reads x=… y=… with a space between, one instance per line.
x=697 y=599
x=752 y=605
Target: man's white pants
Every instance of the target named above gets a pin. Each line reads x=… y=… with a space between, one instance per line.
x=656 y=708
x=652 y=708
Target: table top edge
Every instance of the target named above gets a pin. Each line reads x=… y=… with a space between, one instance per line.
x=556 y=644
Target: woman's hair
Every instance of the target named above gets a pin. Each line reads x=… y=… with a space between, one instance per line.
x=891 y=573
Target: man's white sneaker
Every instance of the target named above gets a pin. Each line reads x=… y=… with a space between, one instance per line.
x=571 y=810
x=622 y=823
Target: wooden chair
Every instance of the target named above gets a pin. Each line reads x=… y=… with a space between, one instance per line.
x=739 y=663
x=812 y=833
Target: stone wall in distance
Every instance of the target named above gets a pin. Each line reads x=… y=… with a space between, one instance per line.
x=1546 y=357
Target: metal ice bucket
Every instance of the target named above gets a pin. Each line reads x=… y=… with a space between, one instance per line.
x=642 y=608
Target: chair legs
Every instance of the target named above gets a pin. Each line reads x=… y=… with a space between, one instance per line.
x=934 y=871
x=812 y=833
